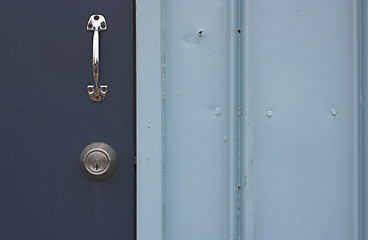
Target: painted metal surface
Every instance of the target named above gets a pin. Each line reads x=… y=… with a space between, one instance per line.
x=364 y=69
x=303 y=108
x=194 y=109
x=149 y=121
x=195 y=102
x=256 y=133
x=47 y=119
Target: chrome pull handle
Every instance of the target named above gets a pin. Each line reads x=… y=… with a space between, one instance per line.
x=96 y=23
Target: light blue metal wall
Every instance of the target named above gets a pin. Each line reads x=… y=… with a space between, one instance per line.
x=302 y=64
x=149 y=121
x=364 y=67
x=196 y=172
x=250 y=134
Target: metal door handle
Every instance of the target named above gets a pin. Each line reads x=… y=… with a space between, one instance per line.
x=96 y=23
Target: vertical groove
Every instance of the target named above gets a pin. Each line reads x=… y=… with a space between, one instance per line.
x=358 y=120
x=234 y=106
x=163 y=64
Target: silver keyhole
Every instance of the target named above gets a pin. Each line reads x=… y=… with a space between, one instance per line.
x=98 y=161
x=97 y=166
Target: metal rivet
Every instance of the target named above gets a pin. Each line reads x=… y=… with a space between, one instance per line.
x=96 y=17
x=218 y=111
x=103 y=25
x=97 y=98
x=334 y=111
x=90 y=25
x=103 y=89
x=269 y=114
x=200 y=32
x=240 y=112
x=90 y=89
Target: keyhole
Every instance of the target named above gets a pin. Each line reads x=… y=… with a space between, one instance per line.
x=97 y=166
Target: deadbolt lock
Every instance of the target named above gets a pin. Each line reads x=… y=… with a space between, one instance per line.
x=98 y=161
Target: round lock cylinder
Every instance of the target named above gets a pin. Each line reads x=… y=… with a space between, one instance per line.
x=98 y=161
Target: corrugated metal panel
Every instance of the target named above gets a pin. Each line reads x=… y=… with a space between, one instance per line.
x=304 y=113
x=288 y=130
x=195 y=86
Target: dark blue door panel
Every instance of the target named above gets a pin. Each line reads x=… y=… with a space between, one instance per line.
x=46 y=119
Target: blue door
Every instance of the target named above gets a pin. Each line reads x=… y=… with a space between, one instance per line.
x=47 y=118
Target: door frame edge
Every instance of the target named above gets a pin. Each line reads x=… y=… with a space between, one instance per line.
x=149 y=127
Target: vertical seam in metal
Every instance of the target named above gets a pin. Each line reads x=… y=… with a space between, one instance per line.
x=163 y=8
x=234 y=120
x=358 y=113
